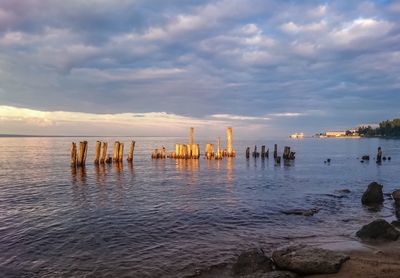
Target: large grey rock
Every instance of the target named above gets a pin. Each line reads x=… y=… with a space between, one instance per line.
x=272 y=274
x=378 y=229
x=396 y=197
x=252 y=261
x=308 y=260
x=373 y=195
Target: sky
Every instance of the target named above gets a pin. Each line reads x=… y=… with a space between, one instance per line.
x=156 y=67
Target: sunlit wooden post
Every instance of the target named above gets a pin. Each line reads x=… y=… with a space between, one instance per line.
x=73 y=154
x=103 y=155
x=116 y=151
x=81 y=149
x=229 y=142
x=191 y=133
x=121 y=152
x=97 y=149
x=131 y=150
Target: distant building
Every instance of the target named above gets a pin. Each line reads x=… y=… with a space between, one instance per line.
x=297 y=135
x=335 y=133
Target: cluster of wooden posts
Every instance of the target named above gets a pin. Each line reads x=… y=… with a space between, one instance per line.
x=287 y=154
x=192 y=151
x=78 y=156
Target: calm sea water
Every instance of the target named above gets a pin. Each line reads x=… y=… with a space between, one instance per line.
x=167 y=218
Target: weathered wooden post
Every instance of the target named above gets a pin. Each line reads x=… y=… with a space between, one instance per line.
x=116 y=151
x=131 y=150
x=248 y=152
x=73 y=154
x=154 y=155
x=209 y=151
x=97 y=149
x=267 y=153
x=121 y=152
x=229 y=142
x=191 y=136
x=85 y=148
x=81 y=150
x=263 y=151
x=80 y=154
x=163 y=153
x=218 y=154
x=379 y=155
x=103 y=155
x=195 y=151
x=109 y=159
x=275 y=151
x=255 y=153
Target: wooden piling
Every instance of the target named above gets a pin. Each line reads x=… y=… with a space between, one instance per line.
x=131 y=150
x=80 y=154
x=103 y=155
x=255 y=153
x=195 y=151
x=275 y=151
x=109 y=159
x=121 y=152
x=209 y=151
x=248 y=152
x=85 y=148
x=73 y=154
x=230 y=151
x=263 y=151
x=191 y=133
x=116 y=151
x=97 y=150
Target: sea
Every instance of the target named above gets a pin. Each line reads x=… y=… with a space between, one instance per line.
x=174 y=218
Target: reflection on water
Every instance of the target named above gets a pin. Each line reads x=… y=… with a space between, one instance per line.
x=164 y=218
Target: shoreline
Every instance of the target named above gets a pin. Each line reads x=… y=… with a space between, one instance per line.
x=367 y=260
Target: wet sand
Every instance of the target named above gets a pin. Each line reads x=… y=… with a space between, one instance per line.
x=378 y=260
x=375 y=260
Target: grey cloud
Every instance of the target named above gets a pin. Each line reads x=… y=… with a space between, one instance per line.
x=243 y=58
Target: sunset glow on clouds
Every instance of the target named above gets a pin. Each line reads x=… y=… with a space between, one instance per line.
x=138 y=66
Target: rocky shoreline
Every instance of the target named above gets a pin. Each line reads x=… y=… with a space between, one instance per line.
x=380 y=256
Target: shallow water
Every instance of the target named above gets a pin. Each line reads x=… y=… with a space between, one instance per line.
x=167 y=218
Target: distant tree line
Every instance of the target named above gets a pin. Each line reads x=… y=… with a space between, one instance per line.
x=389 y=128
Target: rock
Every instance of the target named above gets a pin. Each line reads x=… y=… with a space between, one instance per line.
x=396 y=196
x=252 y=261
x=309 y=260
x=304 y=212
x=272 y=274
x=378 y=229
x=373 y=195
x=365 y=157
x=396 y=223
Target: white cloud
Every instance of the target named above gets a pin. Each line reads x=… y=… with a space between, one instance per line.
x=287 y=114
x=362 y=28
x=238 y=117
x=291 y=27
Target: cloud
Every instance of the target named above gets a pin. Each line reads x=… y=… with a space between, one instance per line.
x=218 y=61
x=238 y=117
